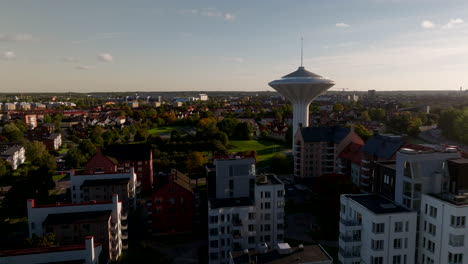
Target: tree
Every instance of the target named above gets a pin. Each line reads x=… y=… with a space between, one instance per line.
x=3 y=168
x=338 y=107
x=207 y=127
x=141 y=135
x=12 y=132
x=74 y=159
x=227 y=125
x=365 y=116
x=222 y=137
x=87 y=148
x=47 y=119
x=40 y=177
x=195 y=163
x=377 y=114
x=35 y=150
x=46 y=240
x=243 y=131
x=362 y=131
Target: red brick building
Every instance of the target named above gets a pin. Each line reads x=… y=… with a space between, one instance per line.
x=172 y=205
x=120 y=158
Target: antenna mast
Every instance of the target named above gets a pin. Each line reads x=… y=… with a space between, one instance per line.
x=302 y=51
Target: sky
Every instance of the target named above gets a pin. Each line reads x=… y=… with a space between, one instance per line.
x=225 y=45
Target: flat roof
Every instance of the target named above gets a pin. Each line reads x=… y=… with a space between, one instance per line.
x=267 y=179
x=88 y=183
x=42 y=250
x=377 y=204
x=231 y=202
x=309 y=254
x=459 y=161
x=78 y=217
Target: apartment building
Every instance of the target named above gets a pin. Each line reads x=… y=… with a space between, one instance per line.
x=443 y=229
x=86 y=253
x=171 y=209
x=379 y=147
x=375 y=230
x=244 y=209
x=15 y=154
x=316 y=149
x=100 y=186
x=72 y=223
x=349 y=161
x=419 y=172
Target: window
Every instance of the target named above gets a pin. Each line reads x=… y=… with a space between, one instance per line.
x=397 y=259
x=267 y=217
x=267 y=205
x=267 y=227
x=251 y=216
x=251 y=228
x=279 y=226
x=397 y=243
x=213 y=243
x=376 y=260
x=433 y=211
x=171 y=201
x=378 y=228
x=343 y=208
x=455 y=258
x=213 y=231
x=430 y=246
x=280 y=204
x=251 y=240
x=398 y=227
x=457 y=221
x=432 y=229
x=213 y=256
x=456 y=240
x=280 y=216
x=33 y=226
x=377 y=244
x=267 y=194
x=267 y=238
x=222 y=218
x=280 y=194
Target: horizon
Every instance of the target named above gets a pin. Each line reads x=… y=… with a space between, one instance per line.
x=217 y=46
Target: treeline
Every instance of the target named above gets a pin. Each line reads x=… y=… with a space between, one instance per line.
x=454 y=124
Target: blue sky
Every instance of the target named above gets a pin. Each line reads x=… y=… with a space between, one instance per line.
x=116 y=45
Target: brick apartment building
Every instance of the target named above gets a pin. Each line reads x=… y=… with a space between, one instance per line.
x=172 y=204
x=121 y=158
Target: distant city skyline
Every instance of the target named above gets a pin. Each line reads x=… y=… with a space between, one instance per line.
x=117 y=45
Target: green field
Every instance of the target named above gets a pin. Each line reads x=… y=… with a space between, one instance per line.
x=265 y=148
x=160 y=130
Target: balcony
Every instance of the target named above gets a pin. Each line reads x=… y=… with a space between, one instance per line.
x=349 y=225
x=123 y=217
x=365 y=169
x=349 y=253
x=124 y=236
x=350 y=240
x=237 y=238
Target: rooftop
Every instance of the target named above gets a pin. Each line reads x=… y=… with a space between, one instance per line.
x=106 y=182
x=377 y=204
x=42 y=250
x=307 y=254
x=129 y=152
x=301 y=72
x=78 y=217
x=459 y=161
x=230 y=202
x=456 y=200
x=264 y=179
x=383 y=146
x=326 y=133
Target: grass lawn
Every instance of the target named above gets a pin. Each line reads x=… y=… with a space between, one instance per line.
x=265 y=148
x=160 y=130
x=58 y=177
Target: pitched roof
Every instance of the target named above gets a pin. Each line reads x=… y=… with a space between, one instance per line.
x=129 y=152
x=327 y=133
x=351 y=152
x=383 y=146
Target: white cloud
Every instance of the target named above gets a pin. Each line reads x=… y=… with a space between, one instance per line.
x=16 y=37
x=454 y=22
x=427 y=24
x=229 y=17
x=211 y=12
x=342 y=25
x=105 y=57
x=83 y=67
x=9 y=55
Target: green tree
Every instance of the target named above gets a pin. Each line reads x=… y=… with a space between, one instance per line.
x=365 y=116
x=227 y=125
x=338 y=107
x=87 y=148
x=243 y=131
x=363 y=132
x=74 y=159
x=196 y=163
x=377 y=114
x=35 y=150
x=46 y=240
x=12 y=132
x=47 y=119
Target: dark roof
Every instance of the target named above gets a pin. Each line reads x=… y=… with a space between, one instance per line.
x=129 y=152
x=264 y=179
x=327 y=133
x=309 y=254
x=351 y=153
x=231 y=202
x=383 y=146
x=302 y=72
x=377 y=204
x=459 y=161
x=78 y=217
x=107 y=182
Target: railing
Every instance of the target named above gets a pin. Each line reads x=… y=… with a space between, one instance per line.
x=349 y=253
x=350 y=223
x=350 y=238
x=456 y=243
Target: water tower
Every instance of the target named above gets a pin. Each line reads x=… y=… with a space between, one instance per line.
x=301 y=87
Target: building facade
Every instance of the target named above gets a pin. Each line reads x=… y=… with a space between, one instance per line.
x=375 y=230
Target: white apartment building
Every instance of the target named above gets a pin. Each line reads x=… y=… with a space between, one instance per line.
x=419 y=172
x=375 y=230
x=13 y=153
x=71 y=217
x=87 y=253
x=246 y=210
x=443 y=230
